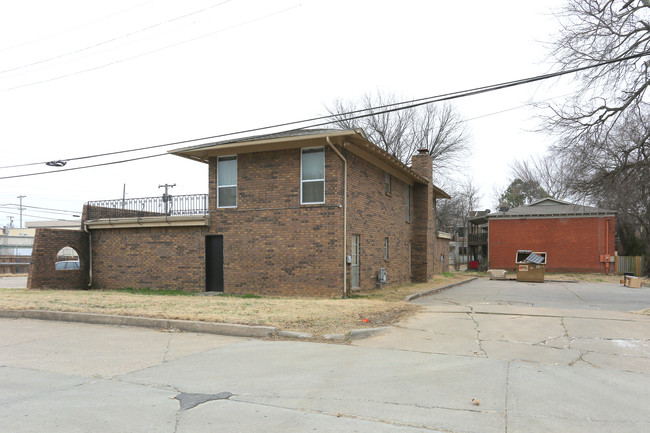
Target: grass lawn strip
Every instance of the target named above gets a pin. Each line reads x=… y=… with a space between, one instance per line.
x=316 y=316
x=312 y=315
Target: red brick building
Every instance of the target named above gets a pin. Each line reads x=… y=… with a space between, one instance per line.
x=313 y=212
x=576 y=238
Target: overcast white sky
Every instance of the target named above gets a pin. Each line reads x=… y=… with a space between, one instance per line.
x=79 y=78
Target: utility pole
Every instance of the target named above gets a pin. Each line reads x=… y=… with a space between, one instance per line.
x=21 y=197
x=166 y=197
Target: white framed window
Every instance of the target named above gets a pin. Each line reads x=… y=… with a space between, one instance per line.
x=385 y=248
x=387 y=182
x=407 y=199
x=227 y=181
x=312 y=176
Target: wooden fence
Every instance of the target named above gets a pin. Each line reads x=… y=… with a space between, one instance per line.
x=633 y=264
x=14 y=264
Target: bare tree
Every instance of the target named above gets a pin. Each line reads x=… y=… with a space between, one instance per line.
x=442 y=131
x=616 y=174
x=553 y=175
x=603 y=130
x=452 y=214
x=401 y=133
x=595 y=31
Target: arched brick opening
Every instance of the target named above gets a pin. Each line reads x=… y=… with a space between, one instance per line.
x=47 y=243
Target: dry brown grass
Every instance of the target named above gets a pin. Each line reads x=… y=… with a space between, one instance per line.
x=316 y=316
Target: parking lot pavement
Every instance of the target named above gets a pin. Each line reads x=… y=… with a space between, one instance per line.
x=551 y=324
x=71 y=377
x=565 y=295
x=531 y=369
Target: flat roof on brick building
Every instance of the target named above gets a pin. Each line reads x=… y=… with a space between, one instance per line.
x=546 y=208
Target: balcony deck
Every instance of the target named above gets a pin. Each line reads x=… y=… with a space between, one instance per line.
x=178 y=205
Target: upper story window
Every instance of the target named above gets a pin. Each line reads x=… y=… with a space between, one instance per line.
x=387 y=182
x=312 y=183
x=227 y=181
x=407 y=198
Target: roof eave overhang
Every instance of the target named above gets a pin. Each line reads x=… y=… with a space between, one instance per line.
x=205 y=151
x=352 y=140
x=360 y=146
x=556 y=215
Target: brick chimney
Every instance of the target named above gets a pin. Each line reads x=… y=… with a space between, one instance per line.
x=424 y=225
x=422 y=164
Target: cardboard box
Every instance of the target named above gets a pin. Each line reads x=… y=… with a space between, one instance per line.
x=633 y=282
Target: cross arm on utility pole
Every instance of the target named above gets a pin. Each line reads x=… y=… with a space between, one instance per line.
x=166 y=197
x=21 y=197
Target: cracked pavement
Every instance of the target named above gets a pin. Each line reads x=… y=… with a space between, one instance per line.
x=534 y=368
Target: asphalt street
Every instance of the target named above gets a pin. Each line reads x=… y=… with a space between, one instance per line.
x=535 y=359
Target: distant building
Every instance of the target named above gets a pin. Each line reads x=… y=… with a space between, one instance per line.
x=576 y=238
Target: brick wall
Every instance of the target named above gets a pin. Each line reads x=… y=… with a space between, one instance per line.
x=273 y=245
x=375 y=215
x=47 y=243
x=98 y=212
x=152 y=257
x=572 y=244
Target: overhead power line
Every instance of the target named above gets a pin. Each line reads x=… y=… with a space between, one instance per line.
x=85 y=166
x=13 y=206
x=146 y=53
x=332 y=118
x=114 y=39
x=51 y=35
x=35 y=216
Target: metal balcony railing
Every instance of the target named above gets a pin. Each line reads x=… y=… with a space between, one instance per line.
x=171 y=205
x=478 y=239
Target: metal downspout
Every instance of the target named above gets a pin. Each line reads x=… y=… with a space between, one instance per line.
x=345 y=214
x=90 y=255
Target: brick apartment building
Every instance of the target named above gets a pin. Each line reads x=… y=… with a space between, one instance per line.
x=313 y=212
x=576 y=238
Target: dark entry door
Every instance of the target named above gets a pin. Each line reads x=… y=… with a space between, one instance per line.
x=214 y=263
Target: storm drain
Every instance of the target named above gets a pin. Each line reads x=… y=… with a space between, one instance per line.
x=189 y=400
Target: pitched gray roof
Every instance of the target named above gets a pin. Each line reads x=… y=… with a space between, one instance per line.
x=290 y=133
x=550 y=207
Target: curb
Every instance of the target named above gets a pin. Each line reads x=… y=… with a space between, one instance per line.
x=233 y=330
x=358 y=334
x=294 y=334
x=437 y=290
x=229 y=329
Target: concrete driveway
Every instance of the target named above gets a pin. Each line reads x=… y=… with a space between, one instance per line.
x=564 y=295
x=532 y=369
x=569 y=324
